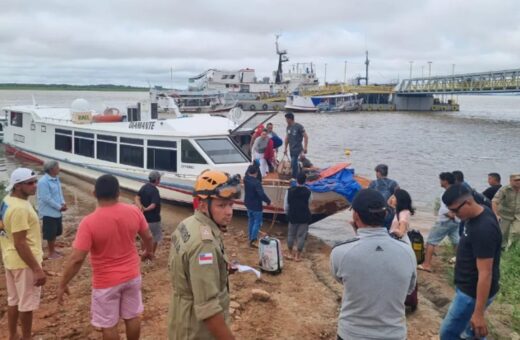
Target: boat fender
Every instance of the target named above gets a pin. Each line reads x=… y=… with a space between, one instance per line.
x=265 y=107
x=252 y=107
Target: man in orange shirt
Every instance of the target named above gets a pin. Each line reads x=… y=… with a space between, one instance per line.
x=108 y=234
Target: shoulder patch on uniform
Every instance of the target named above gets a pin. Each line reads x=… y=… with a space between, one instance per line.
x=354 y=239
x=205 y=258
x=205 y=233
x=185 y=235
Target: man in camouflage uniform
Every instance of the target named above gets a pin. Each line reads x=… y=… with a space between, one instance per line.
x=506 y=205
x=199 y=308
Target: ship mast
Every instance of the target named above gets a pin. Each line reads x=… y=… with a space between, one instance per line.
x=282 y=58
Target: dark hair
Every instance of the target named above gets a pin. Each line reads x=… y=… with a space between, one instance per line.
x=301 y=178
x=252 y=169
x=454 y=193
x=382 y=169
x=404 y=201
x=264 y=130
x=106 y=187
x=495 y=175
x=289 y=115
x=448 y=177
x=269 y=124
x=459 y=176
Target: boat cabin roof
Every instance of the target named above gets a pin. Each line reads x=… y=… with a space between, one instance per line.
x=190 y=126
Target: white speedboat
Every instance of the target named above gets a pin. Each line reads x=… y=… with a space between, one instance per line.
x=343 y=102
x=181 y=148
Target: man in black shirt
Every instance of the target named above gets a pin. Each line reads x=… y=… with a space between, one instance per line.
x=477 y=266
x=149 y=201
x=494 y=185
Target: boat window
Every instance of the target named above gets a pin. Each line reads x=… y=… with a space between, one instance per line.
x=63 y=140
x=84 y=144
x=163 y=143
x=16 y=119
x=131 y=155
x=162 y=159
x=107 y=138
x=189 y=154
x=131 y=141
x=221 y=151
x=106 y=151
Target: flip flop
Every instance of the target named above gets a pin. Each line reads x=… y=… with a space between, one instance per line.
x=420 y=267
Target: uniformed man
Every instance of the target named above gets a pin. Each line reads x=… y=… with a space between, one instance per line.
x=377 y=273
x=199 y=308
x=506 y=205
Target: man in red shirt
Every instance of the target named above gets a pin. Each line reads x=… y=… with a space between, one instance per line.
x=108 y=234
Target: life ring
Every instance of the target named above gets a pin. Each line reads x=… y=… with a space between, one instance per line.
x=252 y=107
x=265 y=107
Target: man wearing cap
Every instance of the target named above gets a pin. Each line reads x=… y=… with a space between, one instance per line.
x=21 y=245
x=149 y=201
x=377 y=273
x=50 y=206
x=477 y=268
x=506 y=206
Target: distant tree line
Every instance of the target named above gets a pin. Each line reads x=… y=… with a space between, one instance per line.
x=67 y=87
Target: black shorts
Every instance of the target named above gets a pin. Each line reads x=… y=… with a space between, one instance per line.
x=52 y=227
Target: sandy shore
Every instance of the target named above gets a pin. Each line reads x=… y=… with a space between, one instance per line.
x=304 y=299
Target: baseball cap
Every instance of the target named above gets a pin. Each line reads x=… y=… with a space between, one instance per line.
x=18 y=176
x=154 y=175
x=369 y=201
x=514 y=177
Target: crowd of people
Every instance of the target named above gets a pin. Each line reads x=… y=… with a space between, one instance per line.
x=199 y=266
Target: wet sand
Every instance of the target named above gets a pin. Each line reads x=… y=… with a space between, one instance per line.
x=304 y=299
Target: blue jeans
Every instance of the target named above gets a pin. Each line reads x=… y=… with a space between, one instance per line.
x=294 y=164
x=456 y=323
x=254 y=222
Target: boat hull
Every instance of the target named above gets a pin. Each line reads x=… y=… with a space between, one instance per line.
x=177 y=189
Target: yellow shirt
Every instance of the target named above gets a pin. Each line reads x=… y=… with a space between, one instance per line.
x=19 y=215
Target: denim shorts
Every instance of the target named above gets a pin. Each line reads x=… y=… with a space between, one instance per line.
x=442 y=229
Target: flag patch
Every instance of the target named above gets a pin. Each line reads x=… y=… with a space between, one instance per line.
x=206 y=258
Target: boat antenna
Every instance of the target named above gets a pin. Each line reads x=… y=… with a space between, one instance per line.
x=282 y=58
x=34 y=100
x=367 y=62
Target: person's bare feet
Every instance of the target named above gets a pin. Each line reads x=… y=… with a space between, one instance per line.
x=298 y=257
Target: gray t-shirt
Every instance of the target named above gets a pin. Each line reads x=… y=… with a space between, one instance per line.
x=295 y=134
x=377 y=273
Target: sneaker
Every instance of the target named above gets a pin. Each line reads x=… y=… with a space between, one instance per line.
x=452 y=260
x=253 y=244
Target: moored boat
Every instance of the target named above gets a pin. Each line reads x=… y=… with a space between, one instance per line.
x=180 y=148
x=342 y=102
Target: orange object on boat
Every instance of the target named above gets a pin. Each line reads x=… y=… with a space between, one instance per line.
x=110 y=115
x=334 y=169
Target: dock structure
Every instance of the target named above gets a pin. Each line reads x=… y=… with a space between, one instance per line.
x=507 y=81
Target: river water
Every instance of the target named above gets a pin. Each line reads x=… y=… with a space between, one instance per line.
x=483 y=137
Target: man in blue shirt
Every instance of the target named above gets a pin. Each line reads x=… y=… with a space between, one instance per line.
x=254 y=196
x=50 y=206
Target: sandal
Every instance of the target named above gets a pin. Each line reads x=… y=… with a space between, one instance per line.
x=420 y=267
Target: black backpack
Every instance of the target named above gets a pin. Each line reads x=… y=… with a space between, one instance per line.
x=417 y=242
x=481 y=199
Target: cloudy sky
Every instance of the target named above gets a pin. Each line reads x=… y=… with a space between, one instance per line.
x=133 y=42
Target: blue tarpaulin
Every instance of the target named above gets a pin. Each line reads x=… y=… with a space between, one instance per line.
x=342 y=182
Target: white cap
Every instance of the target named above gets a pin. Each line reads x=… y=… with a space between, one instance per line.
x=20 y=175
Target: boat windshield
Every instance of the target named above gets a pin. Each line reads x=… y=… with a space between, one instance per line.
x=221 y=151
